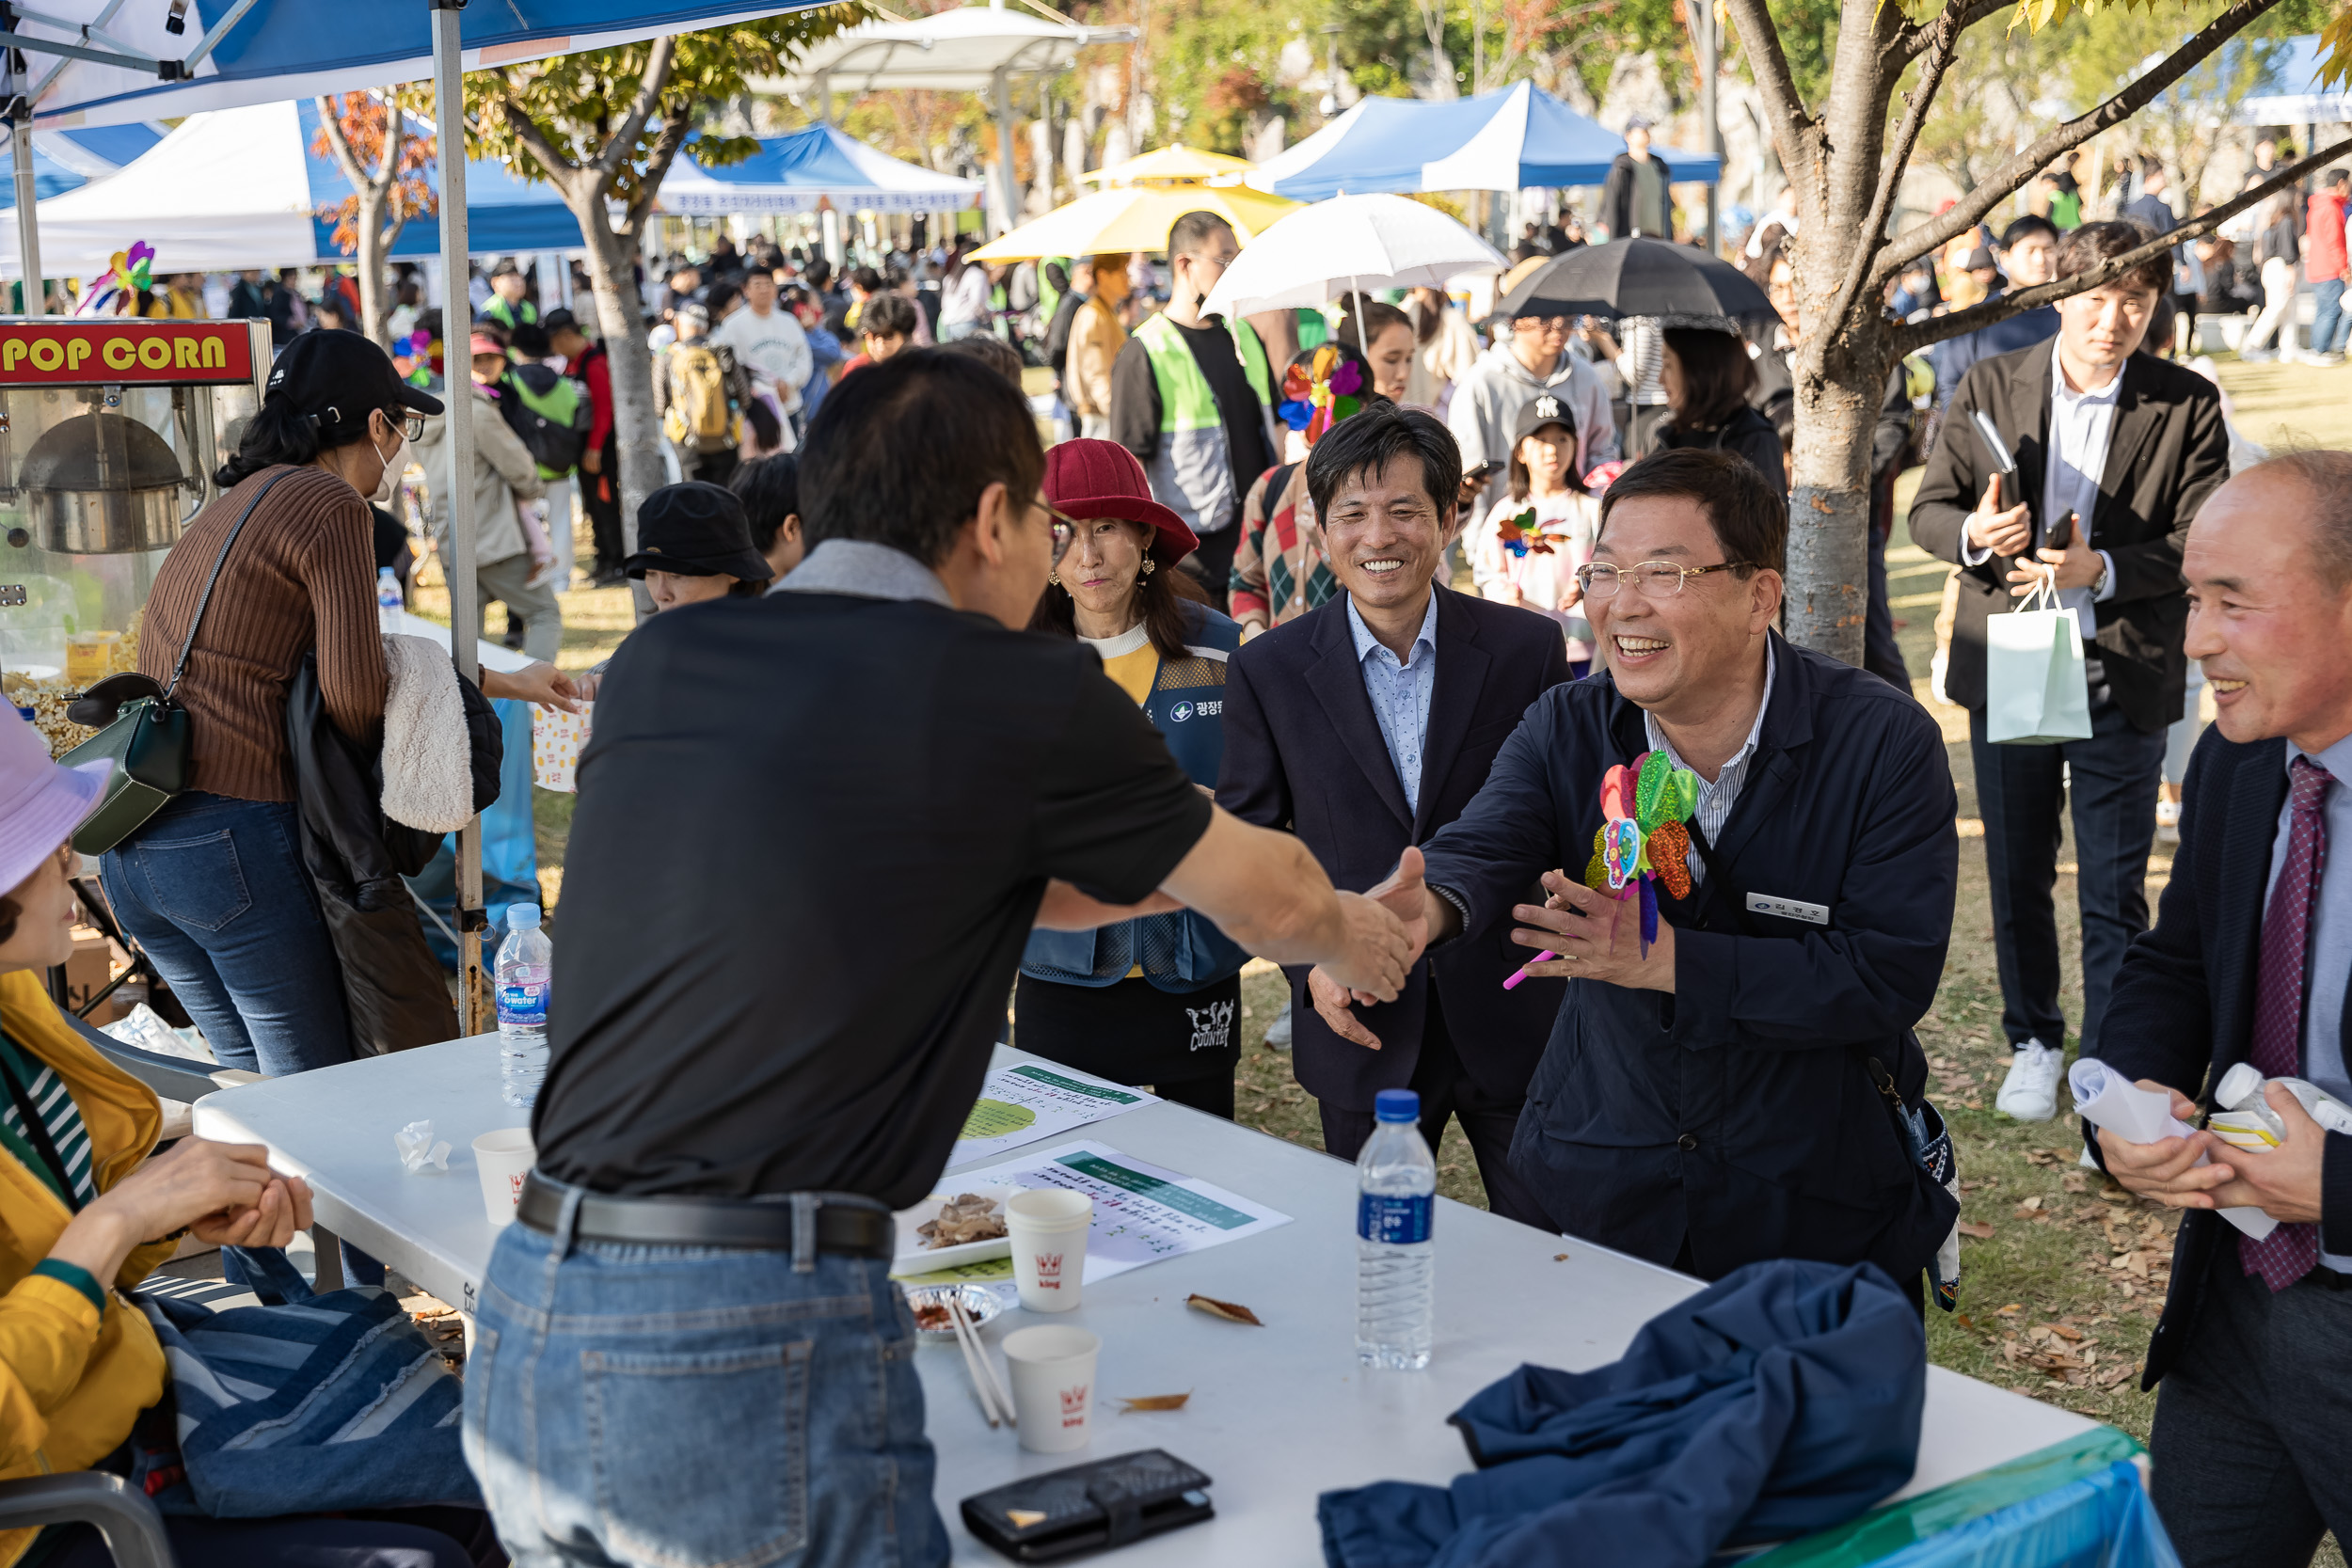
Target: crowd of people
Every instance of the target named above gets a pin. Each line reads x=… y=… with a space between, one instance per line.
x=1102 y=720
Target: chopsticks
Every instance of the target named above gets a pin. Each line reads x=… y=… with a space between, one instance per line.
x=992 y=1393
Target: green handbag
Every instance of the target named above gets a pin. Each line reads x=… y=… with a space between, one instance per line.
x=141 y=730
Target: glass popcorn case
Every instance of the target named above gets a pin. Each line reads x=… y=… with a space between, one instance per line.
x=109 y=433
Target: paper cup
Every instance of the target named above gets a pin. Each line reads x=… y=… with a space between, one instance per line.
x=504 y=1158
x=556 y=740
x=1048 y=1229
x=1053 y=1386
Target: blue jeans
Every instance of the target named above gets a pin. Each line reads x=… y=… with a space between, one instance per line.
x=2020 y=796
x=216 y=891
x=688 y=1407
x=2331 y=324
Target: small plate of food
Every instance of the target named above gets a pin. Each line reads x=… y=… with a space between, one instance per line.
x=949 y=1228
x=929 y=1305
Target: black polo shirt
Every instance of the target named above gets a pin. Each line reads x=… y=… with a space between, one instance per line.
x=812 y=833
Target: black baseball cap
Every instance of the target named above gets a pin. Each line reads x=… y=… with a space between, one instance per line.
x=695 y=529
x=337 y=375
x=1542 y=409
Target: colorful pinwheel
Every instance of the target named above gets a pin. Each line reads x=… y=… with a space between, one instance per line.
x=1642 y=839
x=1322 y=393
x=117 y=291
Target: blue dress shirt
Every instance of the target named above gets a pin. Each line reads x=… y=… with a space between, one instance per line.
x=1400 y=691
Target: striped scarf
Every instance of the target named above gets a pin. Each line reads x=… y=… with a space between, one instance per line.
x=51 y=1100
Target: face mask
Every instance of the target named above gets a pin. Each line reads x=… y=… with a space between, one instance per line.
x=393 y=468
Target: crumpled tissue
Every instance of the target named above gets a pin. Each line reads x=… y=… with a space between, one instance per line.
x=418 y=1148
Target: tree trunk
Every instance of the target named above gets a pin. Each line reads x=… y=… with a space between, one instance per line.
x=374 y=307
x=1829 y=503
x=612 y=273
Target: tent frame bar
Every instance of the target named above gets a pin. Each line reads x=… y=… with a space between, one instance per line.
x=104 y=17
x=457 y=565
x=219 y=30
x=170 y=71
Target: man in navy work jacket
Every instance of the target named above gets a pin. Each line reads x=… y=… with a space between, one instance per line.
x=1716 y=1101
x=1367 y=725
x=2251 y=960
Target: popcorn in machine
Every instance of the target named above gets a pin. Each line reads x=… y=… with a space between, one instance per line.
x=109 y=433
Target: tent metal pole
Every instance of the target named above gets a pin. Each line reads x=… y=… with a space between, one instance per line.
x=27 y=218
x=464 y=610
x=1006 y=187
x=1710 y=124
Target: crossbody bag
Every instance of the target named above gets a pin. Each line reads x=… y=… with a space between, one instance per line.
x=142 y=730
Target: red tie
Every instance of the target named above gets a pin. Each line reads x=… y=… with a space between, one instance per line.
x=2288 y=1253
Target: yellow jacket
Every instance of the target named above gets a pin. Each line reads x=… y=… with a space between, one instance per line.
x=71 y=1382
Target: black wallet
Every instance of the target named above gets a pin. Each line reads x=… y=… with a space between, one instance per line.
x=1089 y=1508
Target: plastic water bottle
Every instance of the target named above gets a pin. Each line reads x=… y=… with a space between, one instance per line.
x=388 y=605
x=524 y=960
x=1396 y=1196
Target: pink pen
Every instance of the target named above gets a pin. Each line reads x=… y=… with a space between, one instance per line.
x=1520 y=974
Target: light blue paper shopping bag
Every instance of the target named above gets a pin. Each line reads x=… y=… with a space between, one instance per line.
x=2036 y=691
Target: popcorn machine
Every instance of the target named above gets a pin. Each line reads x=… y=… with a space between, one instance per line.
x=109 y=433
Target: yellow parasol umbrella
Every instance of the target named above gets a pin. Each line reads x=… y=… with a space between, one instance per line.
x=1169 y=166
x=1132 y=219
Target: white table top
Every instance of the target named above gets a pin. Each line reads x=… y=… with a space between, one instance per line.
x=1278 y=1414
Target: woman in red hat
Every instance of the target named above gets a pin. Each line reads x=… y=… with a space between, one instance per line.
x=1155 y=1001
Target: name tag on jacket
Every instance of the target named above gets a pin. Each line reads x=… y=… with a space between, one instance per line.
x=1789 y=909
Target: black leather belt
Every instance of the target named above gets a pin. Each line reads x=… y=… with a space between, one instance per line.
x=2329 y=1279
x=846 y=1223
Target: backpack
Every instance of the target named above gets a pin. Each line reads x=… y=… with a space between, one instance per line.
x=700 y=416
x=552 y=412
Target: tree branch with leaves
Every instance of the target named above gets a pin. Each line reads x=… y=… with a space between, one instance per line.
x=384 y=162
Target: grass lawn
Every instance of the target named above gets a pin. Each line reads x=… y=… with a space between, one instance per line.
x=2062 y=1273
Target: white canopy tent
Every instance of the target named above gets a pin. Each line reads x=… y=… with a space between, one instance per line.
x=977 y=49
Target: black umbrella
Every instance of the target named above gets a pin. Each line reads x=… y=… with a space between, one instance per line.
x=1636 y=278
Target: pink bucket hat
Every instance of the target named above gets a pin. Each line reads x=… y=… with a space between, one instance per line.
x=42 y=801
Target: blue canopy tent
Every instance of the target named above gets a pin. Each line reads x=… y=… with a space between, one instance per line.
x=1504 y=140
x=799 y=172
x=2293 y=92
x=101 y=62
x=67 y=159
x=504 y=214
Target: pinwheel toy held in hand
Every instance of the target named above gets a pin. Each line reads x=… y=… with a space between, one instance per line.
x=1642 y=839
x=116 y=291
x=1317 y=396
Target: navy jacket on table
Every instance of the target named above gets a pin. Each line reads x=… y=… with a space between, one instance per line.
x=1303 y=754
x=1780 y=1401
x=1736 y=1120
x=2184 y=1006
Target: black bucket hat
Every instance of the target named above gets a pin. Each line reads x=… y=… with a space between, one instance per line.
x=695 y=529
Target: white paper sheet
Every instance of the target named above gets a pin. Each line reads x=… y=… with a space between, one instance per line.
x=1036 y=1100
x=1142 y=1212
x=2113 y=1104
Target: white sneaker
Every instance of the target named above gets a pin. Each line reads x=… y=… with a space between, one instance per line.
x=2168 y=821
x=2029 y=1093
x=1278 y=1033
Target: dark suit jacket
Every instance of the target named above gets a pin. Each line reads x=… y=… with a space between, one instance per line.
x=1616 y=195
x=2169 y=450
x=1303 y=753
x=1738 y=1115
x=2182 y=1011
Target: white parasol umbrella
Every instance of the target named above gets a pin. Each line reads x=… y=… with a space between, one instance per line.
x=1347 y=244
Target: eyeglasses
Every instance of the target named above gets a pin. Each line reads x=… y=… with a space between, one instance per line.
x=1065 y=529
x=1656 y=580
x=408 y=421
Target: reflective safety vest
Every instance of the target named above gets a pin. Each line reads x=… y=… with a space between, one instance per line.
x=1192 y=472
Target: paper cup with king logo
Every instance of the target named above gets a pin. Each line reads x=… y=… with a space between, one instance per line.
x=1048 y=1228
x=504 y=1158
x=1053 y=1386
